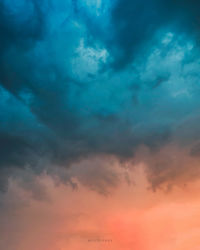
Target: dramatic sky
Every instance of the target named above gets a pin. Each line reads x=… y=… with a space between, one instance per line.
x=99 y=124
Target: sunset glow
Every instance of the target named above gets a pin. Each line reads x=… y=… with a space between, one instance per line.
x=133 y=217
x=99 y=125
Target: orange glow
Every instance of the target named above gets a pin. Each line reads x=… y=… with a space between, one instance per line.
x=133 y=217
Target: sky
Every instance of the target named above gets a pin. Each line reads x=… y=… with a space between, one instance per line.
x=99 y=124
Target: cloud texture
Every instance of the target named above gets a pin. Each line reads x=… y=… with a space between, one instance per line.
x=81 y=79
x=99 y=124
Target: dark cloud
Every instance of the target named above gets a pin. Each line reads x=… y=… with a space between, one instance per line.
x=13 y=150
x=21 y=22
x=61 y=99
x=134 y=23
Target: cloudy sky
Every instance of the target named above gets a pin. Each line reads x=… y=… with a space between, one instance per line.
x=99 y=124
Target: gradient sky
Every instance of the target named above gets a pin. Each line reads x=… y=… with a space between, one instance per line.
x=99 y=124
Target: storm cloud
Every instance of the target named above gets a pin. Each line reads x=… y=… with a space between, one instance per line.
x=81 y=79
